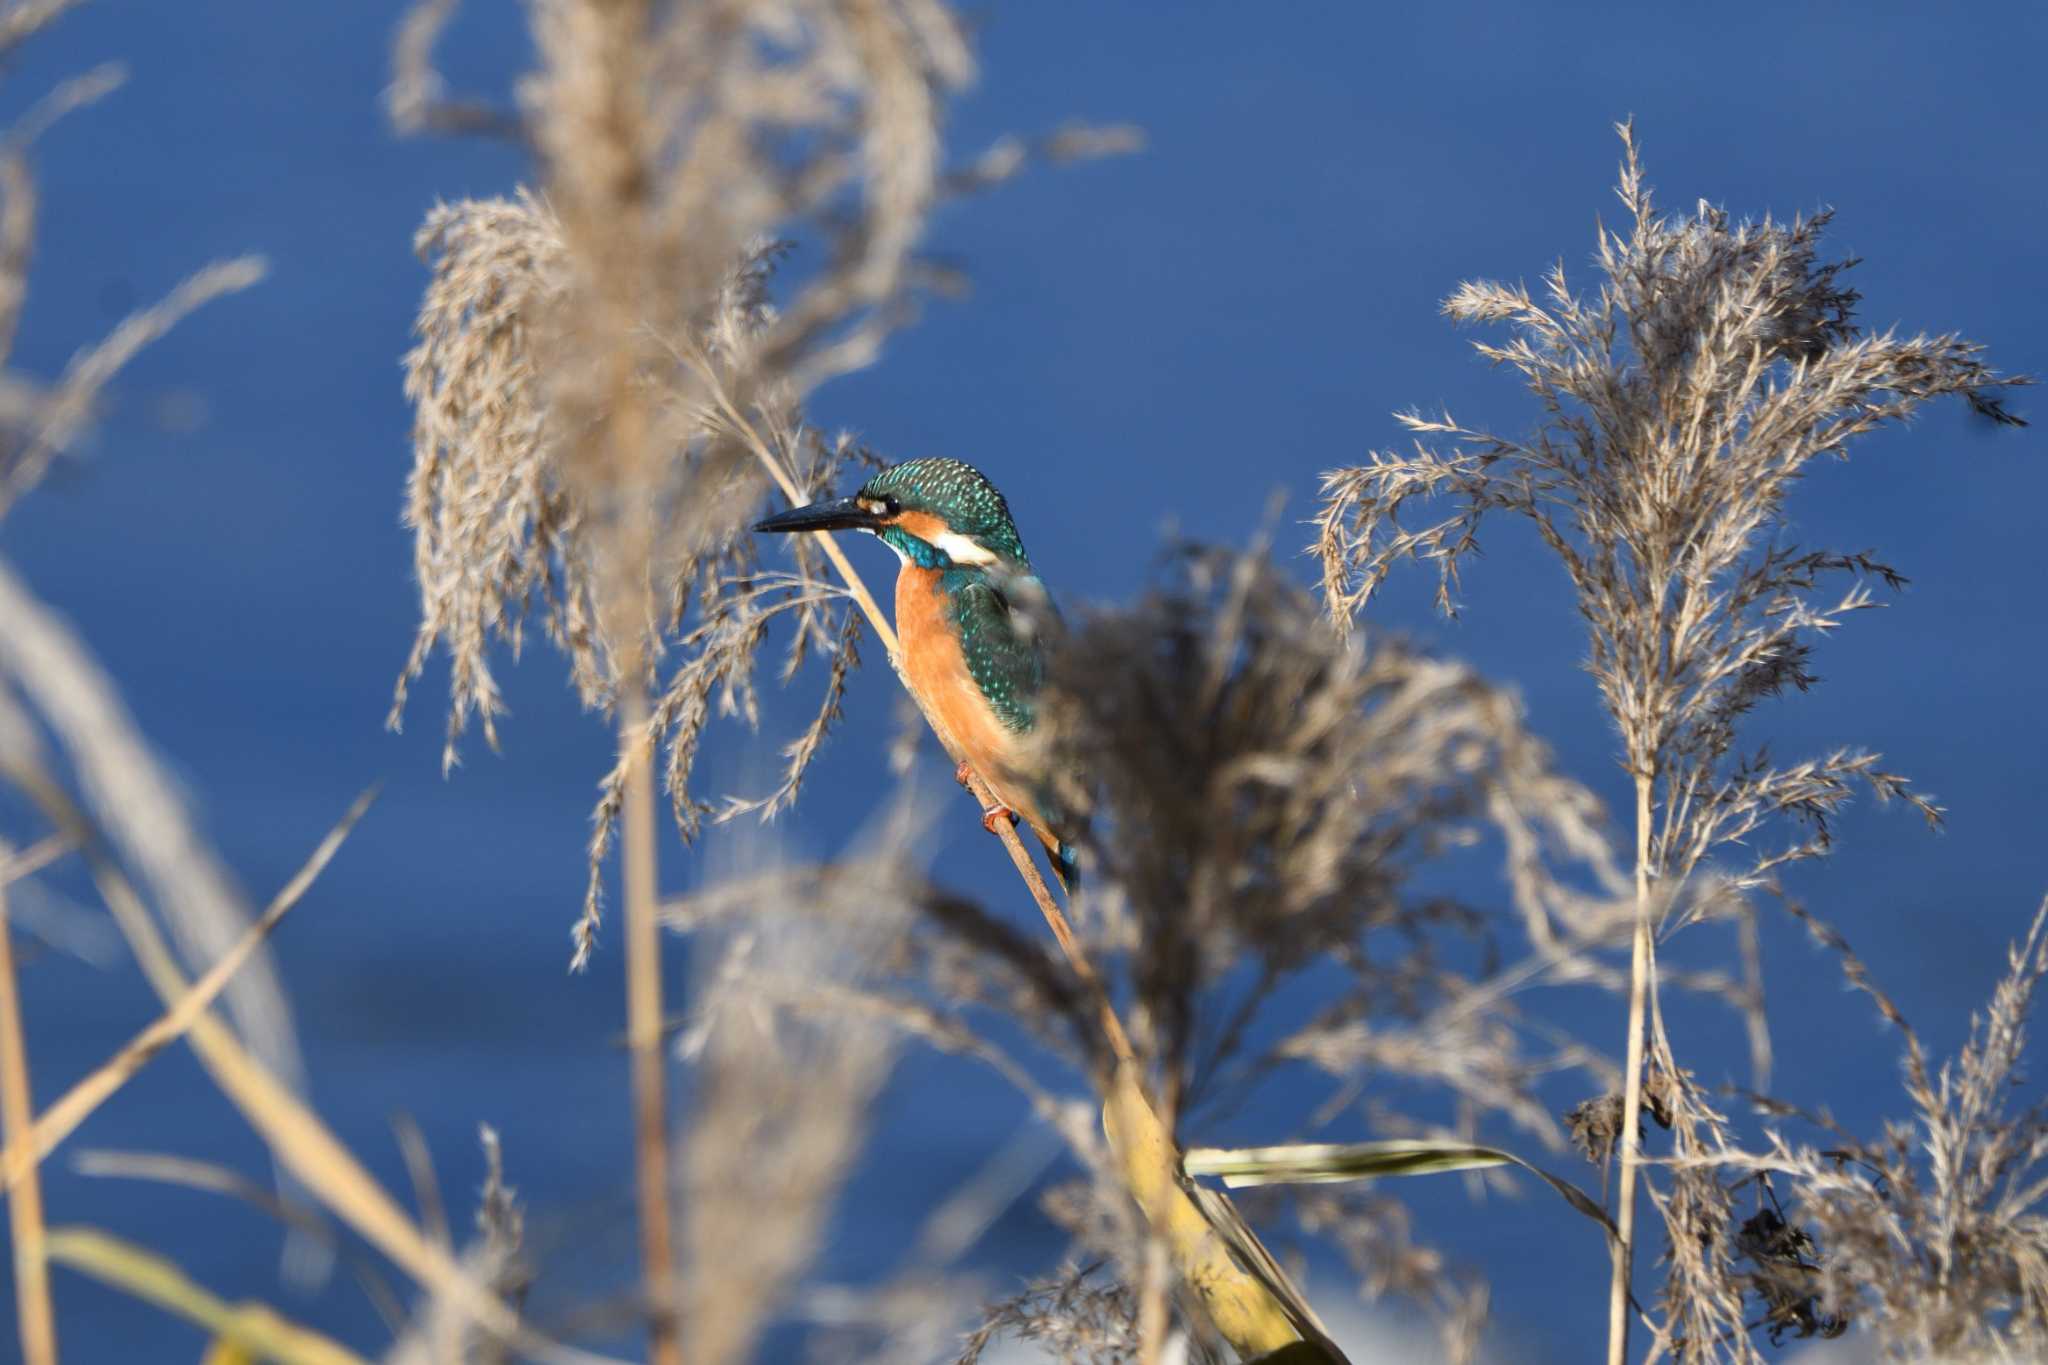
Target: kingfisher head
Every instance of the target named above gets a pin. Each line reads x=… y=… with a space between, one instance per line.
x=936 y=514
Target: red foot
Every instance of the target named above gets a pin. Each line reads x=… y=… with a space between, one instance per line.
x=965 y=775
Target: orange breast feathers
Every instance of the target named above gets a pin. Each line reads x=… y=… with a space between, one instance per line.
x=946 y=692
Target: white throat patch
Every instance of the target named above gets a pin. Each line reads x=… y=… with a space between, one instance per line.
x=961 y=550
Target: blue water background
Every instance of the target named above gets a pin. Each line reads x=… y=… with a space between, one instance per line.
x=1156 y=342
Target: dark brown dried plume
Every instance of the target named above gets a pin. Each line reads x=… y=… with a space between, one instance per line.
x=1937 y=1235
x=1786 y=1274
x=1077 y=1317
x=1376 y=1234
x=1595 y=1126
x=1261 y=792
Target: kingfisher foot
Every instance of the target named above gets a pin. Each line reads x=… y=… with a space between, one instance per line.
x=991 y=814
x=964 y=774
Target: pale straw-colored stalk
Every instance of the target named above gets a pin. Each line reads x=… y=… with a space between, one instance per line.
x=37 y=1325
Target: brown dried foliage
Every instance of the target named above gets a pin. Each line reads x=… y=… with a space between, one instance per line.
x=1263 y=789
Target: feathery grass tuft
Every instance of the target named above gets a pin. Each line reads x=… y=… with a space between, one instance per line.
x=1680 y=401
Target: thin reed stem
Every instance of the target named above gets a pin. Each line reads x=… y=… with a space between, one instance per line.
x=1152 y=1320
x=1056 y=919
x=786 y=481
x=1632 y=1093
x=25 y=1201
x=34 y=858
x=637 y=869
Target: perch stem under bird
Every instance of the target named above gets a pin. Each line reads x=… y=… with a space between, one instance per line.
x=971 y=623
x=970 y=645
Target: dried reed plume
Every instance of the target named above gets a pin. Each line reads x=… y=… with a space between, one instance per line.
x=1263 y=790
x=1935 y=1235
x=605 y=394
x=1680 y=402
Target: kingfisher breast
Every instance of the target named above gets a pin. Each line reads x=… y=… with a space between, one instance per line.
x=940 y=678
x=938 y=675
x=946 y=691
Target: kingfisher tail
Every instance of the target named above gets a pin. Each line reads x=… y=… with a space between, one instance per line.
x=1066 y=865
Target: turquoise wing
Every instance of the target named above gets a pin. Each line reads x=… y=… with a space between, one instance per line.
x=1002 y=638
x=1000 y=643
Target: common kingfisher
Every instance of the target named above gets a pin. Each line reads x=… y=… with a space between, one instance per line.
x=970 y=620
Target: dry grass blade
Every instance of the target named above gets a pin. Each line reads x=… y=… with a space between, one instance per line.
x=416 y=101
x=253 y=1328
x=1319 y=1162
x=306 y=1147
x=426 y=1185
x=33 y=859
x=164 y=1168
x=298 y=1139
x=126 y=786
x=23 y=19
x=57 y=1122
x=1315 y=1163
x=38 y=1325
x=18 y=201
x=69 y=406
x=211 y=1178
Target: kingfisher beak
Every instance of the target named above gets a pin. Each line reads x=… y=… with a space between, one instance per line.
x=839 y=514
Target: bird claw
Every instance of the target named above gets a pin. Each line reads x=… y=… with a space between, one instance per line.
x=965 y=775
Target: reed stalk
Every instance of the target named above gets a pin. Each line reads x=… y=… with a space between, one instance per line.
x=37 y=1324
